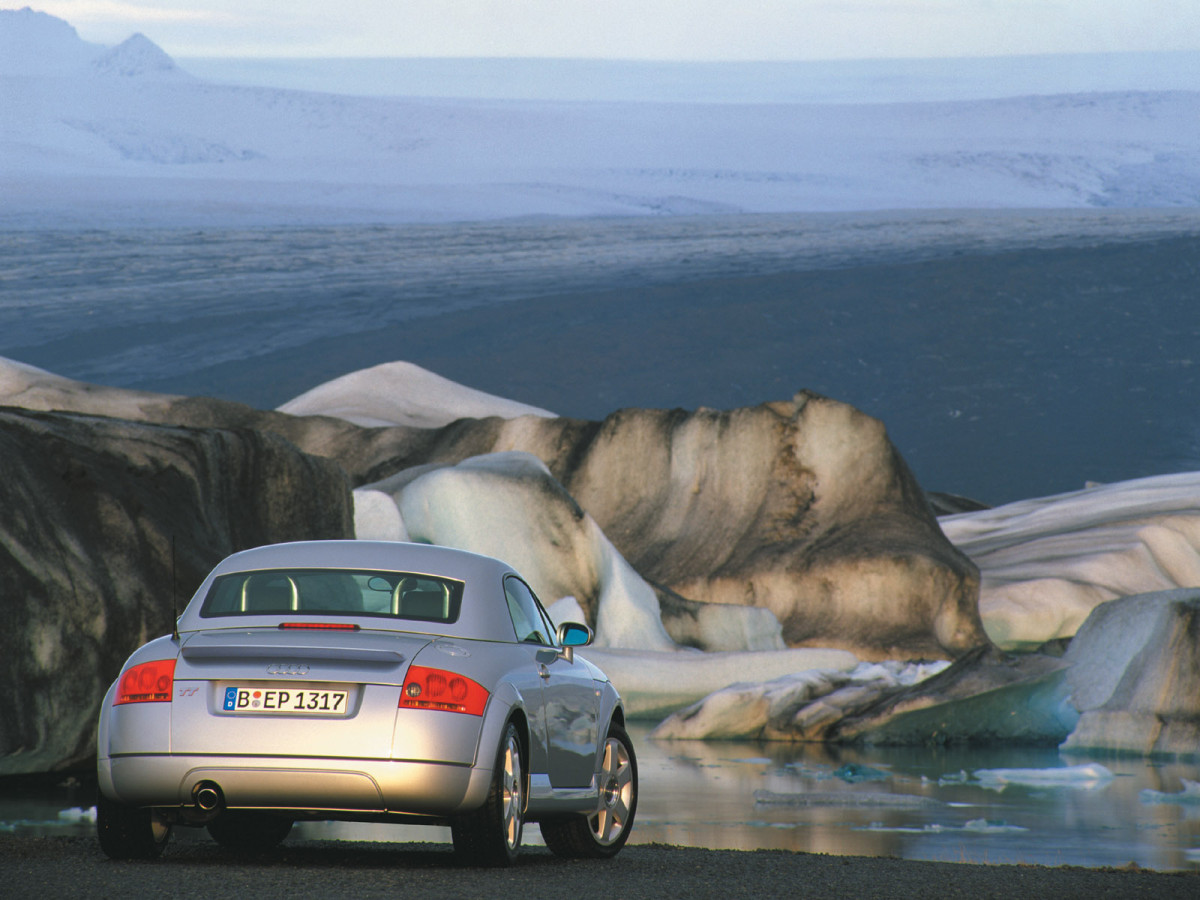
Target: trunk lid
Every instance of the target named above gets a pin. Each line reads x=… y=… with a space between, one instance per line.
x=279 y=693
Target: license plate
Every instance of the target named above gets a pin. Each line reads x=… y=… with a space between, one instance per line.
x=289 y=701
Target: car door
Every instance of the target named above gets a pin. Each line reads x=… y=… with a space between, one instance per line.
x=570 y=700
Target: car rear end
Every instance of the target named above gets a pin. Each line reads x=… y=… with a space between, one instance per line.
x=300 y=694
x=311 y=722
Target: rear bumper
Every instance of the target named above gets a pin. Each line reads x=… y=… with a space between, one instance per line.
x=297 y=783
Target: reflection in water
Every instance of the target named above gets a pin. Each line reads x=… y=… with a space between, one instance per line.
x=929 y=806
x=911 y=803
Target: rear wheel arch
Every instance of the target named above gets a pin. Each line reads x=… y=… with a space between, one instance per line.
x=491 y=834
x=518 y=719
x=492 y=735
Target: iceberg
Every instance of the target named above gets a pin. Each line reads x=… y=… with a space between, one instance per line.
x=1046 y=563
x=771 y=710
x=400 y=393
x=653 y=684
x=1189 y=795
x=508 y=505
x=1134 y=676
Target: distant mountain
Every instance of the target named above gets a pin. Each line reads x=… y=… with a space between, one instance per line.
x=35 y=43
x=137 y=57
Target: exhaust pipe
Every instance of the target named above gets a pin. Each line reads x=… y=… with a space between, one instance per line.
x=208 y=797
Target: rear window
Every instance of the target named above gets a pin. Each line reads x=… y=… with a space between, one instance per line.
x=344 y=592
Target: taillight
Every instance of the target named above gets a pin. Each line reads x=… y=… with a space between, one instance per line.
x=426 y=688
x=319 y=626
x=146 y=682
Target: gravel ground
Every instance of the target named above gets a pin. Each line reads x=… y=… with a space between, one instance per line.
x=64 y=867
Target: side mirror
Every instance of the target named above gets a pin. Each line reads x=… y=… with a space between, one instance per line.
x=571 y=635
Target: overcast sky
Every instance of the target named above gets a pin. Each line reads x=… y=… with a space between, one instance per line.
x=636 y=29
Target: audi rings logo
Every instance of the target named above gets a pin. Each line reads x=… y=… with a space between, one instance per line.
x=287 y=669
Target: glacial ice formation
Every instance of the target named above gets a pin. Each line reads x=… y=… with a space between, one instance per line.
x=1128 y=683
x=1134 y=676
x=400 y=393
x=772 y=710
x=100 y=518
x=653 y=684
x=706 y=506
x=802 y=508
x=711 y=501
x=29 y=387
x=746 y=709
x=509 y=506
x=972 y=700
x=496 y=505
x=1046 y=563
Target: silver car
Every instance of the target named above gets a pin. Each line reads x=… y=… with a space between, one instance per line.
x=365 y=681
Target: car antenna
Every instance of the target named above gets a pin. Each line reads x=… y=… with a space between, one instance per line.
x=174 y=596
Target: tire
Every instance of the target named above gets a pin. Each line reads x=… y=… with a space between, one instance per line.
x=130 y=832
x=491 y=835
x=602 y=834
x=249 y=831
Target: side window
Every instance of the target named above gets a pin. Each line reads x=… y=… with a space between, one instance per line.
x=547 y=625
x=527 y=617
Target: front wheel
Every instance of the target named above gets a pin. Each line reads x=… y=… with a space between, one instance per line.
x=602 y=834
x=491 y=835
x=130 y=832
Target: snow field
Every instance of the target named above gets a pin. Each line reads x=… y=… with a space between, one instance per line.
x=141 y=141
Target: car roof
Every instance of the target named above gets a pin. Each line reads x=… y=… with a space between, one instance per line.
x=484 y=614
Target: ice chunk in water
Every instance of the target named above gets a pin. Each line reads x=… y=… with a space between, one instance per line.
x=1190 y=794
x=1087 y=776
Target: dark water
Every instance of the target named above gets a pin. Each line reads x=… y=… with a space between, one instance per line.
x=1010 y=354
